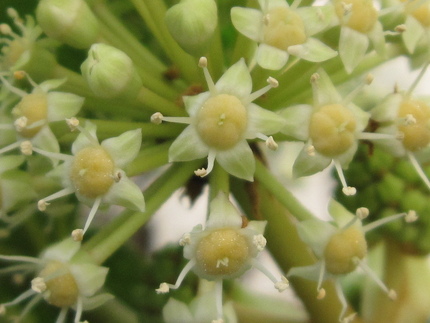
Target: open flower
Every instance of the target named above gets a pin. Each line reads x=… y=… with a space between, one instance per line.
x=62 y=280
x=401 y=112
x=340 y=247
x=224 y=249
x=358 y=24
x=37 y=109
x=94 y=172
x=221 y=120
x=282 y=31
x=331 y=127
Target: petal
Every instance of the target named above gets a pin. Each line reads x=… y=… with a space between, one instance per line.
x=193 y=103
x=223 y=214
x=376 y=36
x=236 y=81
x=271 y=58
x=46 y=140
x=346 y=158
x=126 y=193
x=297 y=120
x=352 y=47
x=89 y=278
x=10 y=162
x=313 y=51
x=176 y=312
x=388 y=109
x=412 y=35
x=96 y=301
x=257 y=226
x=306 y=165
x=124 y=148
x=50 y=84
x=62 y=251
x=63 y=105
x=238 y=161
x=361 y=117
x=326 y=92
x=317 y=18
x=15 y=189
x=248 y=21
x=82 y=140
x=392 y=146
x=187 y=146
x=340 y=214
x=316 y=234
x=262 y=121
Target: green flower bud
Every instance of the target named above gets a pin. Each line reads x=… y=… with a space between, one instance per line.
x=192 y=24
x=110 y=73
x=68 y=21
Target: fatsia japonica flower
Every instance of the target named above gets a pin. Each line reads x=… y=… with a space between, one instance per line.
x=359 y=25
x=340 y=246
x=401 y=112
x=37 y=109
x=223 y=249
x=63 y=279
x=220 y=122
x=331 y=129
x=281 y=31
x=94 y=172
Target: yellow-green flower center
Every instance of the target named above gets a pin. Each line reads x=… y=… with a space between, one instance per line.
x=223 y=252
x=34 y=107
x=332 y=129
x=283 y=28
x=92 y=172
x=221 y=121
x=417 y=131
x=419 y=12
x=60 y=284
x=359 y=15
x=343 y=248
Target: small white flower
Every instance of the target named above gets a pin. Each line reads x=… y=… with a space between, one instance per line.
x=220 y=122
x=282 y=31
x=62 y=280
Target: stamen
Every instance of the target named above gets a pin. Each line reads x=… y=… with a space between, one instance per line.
x=280 y=285
x=342 y=299
x=362 y=213
x=33 y=302
x=202 y=172
x=62 y=316
x=92 y=213
x=65 y=191
x=310 y=150
x=203 y=63
x=79 y=308
x=13 y=89
x=418 y=168
x=38 y=285
x=350 y=97
x=10 y=147
x=20 y=298
x=77 y=235
x=53 y=155
x=185 y=240
x=22 y=259
x=270 y=142
x=157 y=118
x=390 y=293
x=165 y=287
x=259 y=241
x=321 y=291
x=417 y=80
x=20 y=123
x=376 y=136
x=273 y=83
x=26 y=147
x=72 y=123
x=347 y=190
x=411 y=216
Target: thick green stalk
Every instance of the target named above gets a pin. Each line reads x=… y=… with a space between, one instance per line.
x=219 y=180
x=149 y=158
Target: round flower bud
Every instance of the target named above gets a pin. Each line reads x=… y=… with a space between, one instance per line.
x=192 y=24
x=110 y=73
x=68 y=21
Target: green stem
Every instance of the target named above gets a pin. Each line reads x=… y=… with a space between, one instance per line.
x=219 y=181
x=286 y=198
x=216 y=55
x=157 y=103
x=114 y=235
x=149 y=158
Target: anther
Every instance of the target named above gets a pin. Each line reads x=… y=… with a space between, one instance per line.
x=369 y=79
x=321 y=293
x=362 y=213
x=202 y=172
x=42 y=204
x=310 y=150
x=157 y=118
x=410 y=119
x=349 y=191
x=271 y=143
x=19 y=75
x=411 y=216
x=400 y=28
x=26 y=148
x=38 y=285
x=203 y=62
x=77 y=235
x=72 y=123
x=20 y=123
x=163 y=289
x=273 y=82
x=185 y=240
x=315 y=77
x=283 y=284
x=259 y=241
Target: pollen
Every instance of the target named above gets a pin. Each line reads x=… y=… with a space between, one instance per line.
x=34 y=108
x=359 y=15
x=92 y=172
x=223 y=252
x=416 y=135
x=221 y=121
x=61 y=287
x=332 y=129
x=283 y=28
x=341 y=250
